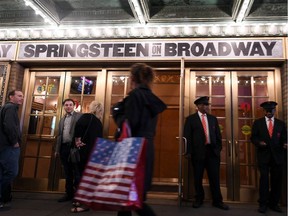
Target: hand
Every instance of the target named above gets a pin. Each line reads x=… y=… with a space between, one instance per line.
x=285 y=145
x=79 y=143
x=16 y=145
x=262 y=143
x=56 y=154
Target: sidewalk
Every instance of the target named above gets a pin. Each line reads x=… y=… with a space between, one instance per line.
x=45 y=204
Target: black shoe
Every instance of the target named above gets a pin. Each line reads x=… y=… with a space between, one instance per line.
x=221 y=206
x=65 y=198
x=275 y=208
x=262 y=209
x=197 y=204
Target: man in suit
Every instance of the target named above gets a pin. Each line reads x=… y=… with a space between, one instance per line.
x=269 y=135
x=63 y=146
x=204 y=144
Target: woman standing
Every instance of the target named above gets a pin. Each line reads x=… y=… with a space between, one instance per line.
x=87 y=129
x=141 y=108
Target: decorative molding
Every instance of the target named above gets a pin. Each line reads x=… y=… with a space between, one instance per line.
x=148 y=31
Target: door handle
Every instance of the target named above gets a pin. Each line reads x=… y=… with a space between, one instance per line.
x=236 y=148
x=229 y=148
x=183 y=153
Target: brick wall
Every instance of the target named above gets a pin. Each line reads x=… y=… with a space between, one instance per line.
x=284 y=84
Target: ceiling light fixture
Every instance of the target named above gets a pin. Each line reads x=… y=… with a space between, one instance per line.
x=40 y=11
x=245 y=7
x=137 y=11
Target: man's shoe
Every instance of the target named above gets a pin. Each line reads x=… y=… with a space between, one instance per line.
x=262 y=209
x=65 y=198
x=197 y=204
x=275 y=208
x=221 y=206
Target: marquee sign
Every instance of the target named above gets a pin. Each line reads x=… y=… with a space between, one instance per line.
x=7 y=50
x=165 y=49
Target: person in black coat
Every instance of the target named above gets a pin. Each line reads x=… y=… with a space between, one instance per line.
x=10 y=142
x=204 y=144
x=270 y=147
x=141 y=108
x=87 y=129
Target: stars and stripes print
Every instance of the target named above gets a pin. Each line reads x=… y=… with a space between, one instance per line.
x=109 y=174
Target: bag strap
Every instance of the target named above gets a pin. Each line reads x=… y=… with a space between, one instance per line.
x=87 y=127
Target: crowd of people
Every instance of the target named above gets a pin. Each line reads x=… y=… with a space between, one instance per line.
x=141 y=108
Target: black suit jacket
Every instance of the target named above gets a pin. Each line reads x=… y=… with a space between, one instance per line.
x=275 y=145
x=195 y=135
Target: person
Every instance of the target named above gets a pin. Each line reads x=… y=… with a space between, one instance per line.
x=63 y=146
x=10 y=141
x=269 y=135
x=87 y=129
x=141 y=108
x=205 y=144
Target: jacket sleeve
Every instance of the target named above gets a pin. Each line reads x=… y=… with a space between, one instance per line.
x=255 y=134
x=11 y=124
x=218 y=135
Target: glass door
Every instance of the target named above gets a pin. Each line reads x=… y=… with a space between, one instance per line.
x=235 y=98
x=43 y=108
x=166 y=86
x=39 y=169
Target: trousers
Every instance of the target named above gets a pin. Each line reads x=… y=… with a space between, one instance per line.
x=9 y=167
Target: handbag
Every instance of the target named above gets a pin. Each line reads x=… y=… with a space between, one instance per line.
x=74 y=155
x=113 y=178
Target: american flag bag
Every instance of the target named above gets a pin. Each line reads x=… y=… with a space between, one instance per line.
x=114 y=175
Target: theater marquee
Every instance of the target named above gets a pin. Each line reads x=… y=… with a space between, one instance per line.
x=164 y=49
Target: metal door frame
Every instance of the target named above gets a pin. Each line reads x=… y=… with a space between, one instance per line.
x=233 y=193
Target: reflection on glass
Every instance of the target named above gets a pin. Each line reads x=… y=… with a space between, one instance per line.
x=202 y=86
x=244 y=86
x=83 y=84
x=245 y=107
x=260 y=86
x=118 y=83
x=218 y=86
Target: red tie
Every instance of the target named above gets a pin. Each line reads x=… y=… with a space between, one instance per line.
x=205 y=128
x=270 y=127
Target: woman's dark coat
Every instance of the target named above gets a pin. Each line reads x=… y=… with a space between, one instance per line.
x=141 y=108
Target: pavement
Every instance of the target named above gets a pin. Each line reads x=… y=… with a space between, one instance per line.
x=45 y=204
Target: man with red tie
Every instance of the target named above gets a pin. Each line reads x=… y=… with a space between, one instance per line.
x=204 y=145
x=269 y=135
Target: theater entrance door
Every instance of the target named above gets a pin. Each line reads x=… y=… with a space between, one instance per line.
x=235 y=98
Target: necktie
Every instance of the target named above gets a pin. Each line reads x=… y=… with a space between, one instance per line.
x=270 y=127
x=205 y=128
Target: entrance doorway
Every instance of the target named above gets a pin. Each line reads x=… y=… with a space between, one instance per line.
x=235 y=98
x=40 y=170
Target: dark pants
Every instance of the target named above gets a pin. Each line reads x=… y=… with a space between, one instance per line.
x=212 y=165
x=272 y=196
x=9 y=166
x=145 y=211
x=68 y=169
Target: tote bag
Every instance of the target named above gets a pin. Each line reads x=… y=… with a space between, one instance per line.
x=114 y=175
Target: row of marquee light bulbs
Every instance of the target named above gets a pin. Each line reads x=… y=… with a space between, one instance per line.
x=146 y=31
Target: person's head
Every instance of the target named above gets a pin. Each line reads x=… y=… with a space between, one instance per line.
x=97 y=109
x=202 y=104
x=141 y=73
x=269 y=108
x=68 y=105
x=16 y=96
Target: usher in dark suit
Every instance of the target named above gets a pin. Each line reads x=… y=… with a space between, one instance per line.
x=204 y=155
x=270 y=158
